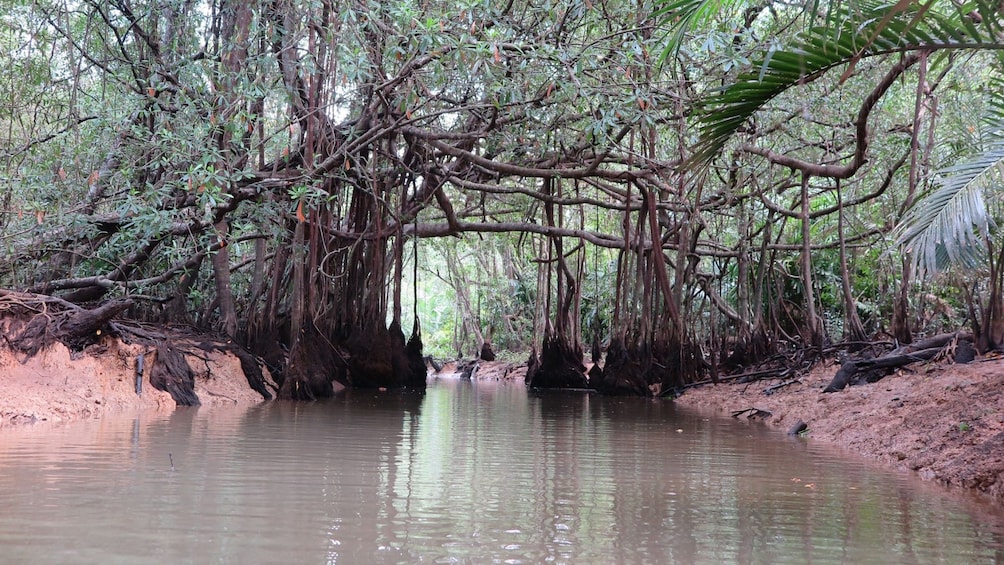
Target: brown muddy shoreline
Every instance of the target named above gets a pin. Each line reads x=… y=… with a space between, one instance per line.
x=943 y=421
x=58 y=385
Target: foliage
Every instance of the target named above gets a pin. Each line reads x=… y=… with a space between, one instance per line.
x=527 y=163
x=854 y=31
x=949 y=225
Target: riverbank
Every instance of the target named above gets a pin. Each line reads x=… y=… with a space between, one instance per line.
x=944 y=421
x=941 y=420
x=59 y=386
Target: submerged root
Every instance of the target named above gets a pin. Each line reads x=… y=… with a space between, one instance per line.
x=559 y=366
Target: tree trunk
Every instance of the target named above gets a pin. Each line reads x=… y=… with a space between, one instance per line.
x=224 y=292
x=853 y=329
x=814 y=333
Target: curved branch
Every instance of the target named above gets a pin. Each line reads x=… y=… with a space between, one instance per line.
x=861 y=132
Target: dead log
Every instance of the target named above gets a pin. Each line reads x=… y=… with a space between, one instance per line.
x=172 y=374
x=939 y=340
x=871 y=370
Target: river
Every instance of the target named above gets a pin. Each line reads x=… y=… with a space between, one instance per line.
x=469 y=472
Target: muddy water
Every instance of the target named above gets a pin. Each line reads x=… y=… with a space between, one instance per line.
x=467 y=473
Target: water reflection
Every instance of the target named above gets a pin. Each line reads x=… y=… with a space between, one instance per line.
x=466 y=473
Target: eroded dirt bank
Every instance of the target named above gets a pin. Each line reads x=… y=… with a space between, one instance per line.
x=57 y=386
x=942 y=420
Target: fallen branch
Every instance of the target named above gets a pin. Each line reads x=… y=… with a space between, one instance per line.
x=871 y=370
x=748 y=377
x=752 y=413
x=774 y=388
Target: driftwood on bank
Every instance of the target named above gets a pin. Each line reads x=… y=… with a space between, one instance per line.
x=467 y=369
x=788 y=367
x=855 y=371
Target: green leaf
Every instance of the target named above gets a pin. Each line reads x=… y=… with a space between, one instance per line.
x=946 y=227
x=683 y=15
x=856 y=30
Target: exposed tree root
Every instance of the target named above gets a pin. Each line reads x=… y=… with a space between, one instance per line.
x=559 y=366
x=311 y=369
x=33 y=322
x=621 y=374
x=37 y=321
x=647 y=370
x=487 y=354
x=377 y=358
x=415 y=372
x=252 y=371
x=171 y=373
x=467 y=369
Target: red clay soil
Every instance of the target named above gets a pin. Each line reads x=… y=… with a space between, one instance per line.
x=942 y=420
x=55 y=386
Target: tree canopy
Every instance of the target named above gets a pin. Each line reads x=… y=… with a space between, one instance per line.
x=688 y=186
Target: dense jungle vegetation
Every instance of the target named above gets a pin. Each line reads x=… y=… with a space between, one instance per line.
x=686 y=188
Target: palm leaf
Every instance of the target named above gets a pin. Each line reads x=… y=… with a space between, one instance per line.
x=946 y=226
x=854 y=31
x=680 y=16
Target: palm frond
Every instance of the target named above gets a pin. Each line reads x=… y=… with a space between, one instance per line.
x=855 y=30
x=945 y=227
x=680 y=16
x=993 y=126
